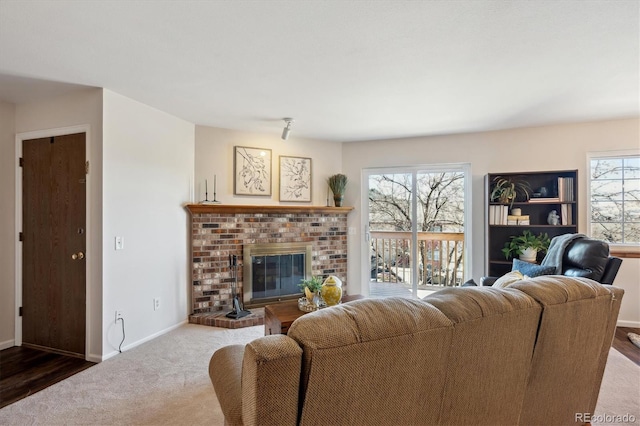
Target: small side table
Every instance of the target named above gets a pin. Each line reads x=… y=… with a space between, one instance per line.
x=278 y=317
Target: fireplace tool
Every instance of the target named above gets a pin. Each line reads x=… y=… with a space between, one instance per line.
x=237 y=311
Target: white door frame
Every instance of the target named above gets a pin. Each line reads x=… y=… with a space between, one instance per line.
x=468 y=207
x=84 y=128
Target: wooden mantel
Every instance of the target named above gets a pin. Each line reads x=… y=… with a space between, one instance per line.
x=278 y=209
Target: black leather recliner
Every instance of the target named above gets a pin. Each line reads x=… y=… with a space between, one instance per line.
x=582 y=257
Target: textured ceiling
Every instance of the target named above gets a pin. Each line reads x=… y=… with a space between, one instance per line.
x=345 y=70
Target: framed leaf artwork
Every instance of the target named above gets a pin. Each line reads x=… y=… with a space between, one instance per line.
x=295 y=179
x=252 y=171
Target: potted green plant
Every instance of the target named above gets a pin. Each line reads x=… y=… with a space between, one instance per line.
x=526 y=245
x=506 y=190
x=311 y=287
x=337 y=184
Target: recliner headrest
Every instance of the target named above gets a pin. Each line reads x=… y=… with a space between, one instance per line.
x=585 y=257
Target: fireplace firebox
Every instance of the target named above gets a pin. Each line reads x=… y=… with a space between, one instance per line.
x=272 y=272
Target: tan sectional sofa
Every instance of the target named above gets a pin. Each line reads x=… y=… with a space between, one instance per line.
x=532 y=354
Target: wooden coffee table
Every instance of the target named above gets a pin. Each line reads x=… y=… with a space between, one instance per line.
x=278 y=317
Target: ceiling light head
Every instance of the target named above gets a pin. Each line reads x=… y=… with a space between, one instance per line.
x=287 y=128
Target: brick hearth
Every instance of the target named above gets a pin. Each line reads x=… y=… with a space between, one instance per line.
x=218 y=231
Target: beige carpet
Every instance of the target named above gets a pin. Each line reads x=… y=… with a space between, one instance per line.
x=165 y=381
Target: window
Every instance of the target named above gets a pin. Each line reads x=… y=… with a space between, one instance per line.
x=614 y=193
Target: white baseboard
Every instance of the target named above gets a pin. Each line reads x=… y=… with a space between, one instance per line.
x=141 y=341
x=7 y=344
x=632 y=324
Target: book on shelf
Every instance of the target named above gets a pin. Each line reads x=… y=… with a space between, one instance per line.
x=544 y=199
x=565 y=189
x=566 y=214
x=498 y=214
x=518 y=220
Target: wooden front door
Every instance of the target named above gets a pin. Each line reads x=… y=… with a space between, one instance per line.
x=54 y=243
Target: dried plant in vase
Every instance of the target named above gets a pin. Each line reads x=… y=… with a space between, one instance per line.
x=337 y=184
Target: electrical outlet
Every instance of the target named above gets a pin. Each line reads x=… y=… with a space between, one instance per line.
x=119 y=243
x=156 y=303
x=119 y=315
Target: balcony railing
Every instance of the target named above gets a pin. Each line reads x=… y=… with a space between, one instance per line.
x=440 y=258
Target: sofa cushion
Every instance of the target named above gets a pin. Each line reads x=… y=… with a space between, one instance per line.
x=576 y=324
x=355 y=353
x=507 y=279
x=532 y=270
x=495 y=331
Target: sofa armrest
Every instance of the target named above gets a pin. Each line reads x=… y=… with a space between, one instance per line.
x=225 y=369
x=271 y=370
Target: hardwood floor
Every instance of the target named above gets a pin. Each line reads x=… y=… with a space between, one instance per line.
x=24 y=371
x=623 y=345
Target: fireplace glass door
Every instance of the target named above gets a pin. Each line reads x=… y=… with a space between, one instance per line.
x=277 y=275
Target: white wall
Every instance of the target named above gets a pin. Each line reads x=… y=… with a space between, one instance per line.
x=78 y=108
x=7 y=225
x=214 y=156
x=148 y=170
x=557 y=147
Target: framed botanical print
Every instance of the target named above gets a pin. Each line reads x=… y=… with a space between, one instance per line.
x=251 y=171
x=295 y=179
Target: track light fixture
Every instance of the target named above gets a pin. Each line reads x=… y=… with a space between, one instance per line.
x=287 y=128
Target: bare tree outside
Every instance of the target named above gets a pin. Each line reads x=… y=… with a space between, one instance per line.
x=440 y=201
x=615 y=199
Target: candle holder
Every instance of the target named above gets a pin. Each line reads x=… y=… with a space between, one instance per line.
x=206 y=193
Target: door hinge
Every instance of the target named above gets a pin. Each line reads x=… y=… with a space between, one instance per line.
x=86 y=168
x=20 y=237
x=20 y=311
x=21 y=162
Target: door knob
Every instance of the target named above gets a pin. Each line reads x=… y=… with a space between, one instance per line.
x=74 y=256
x=79 y=255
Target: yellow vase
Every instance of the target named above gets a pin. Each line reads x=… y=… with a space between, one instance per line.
x=331 y=293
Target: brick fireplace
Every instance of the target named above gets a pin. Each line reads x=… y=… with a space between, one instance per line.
x=218 y=231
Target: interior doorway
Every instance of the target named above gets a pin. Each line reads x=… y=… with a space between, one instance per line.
x=53 y=235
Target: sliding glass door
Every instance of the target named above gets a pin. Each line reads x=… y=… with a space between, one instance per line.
x=415 y=234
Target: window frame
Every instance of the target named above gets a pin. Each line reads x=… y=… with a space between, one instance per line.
x=617 y=249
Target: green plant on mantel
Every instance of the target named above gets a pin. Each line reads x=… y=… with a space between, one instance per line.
x=506 y=190
x=527 y=239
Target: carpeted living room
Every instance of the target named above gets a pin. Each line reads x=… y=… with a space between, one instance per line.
x=191 y=186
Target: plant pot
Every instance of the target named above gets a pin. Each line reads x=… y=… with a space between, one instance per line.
x=529 y=255
x=337 y=200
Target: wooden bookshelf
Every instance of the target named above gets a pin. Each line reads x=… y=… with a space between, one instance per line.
x=561 y=195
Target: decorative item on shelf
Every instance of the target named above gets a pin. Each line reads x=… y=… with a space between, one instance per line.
x=337 y=184
x=526 y=245
x=206 y=192
x=516 y=212
x=553 y=218
x=506 y=190
x=332 y=290
x=518 y=220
